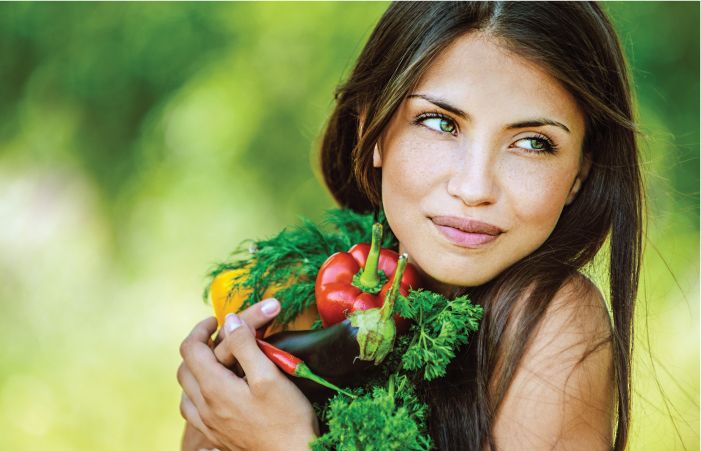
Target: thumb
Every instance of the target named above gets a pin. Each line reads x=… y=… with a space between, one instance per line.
x=241 y=345
x=254 y=317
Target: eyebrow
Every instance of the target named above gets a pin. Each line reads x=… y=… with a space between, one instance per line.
x=539 y=122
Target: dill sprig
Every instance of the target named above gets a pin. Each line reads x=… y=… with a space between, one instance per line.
x=291 y=260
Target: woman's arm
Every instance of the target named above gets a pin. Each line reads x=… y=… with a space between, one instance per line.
x=262 y=411
x=562 y=393
x=194 y=440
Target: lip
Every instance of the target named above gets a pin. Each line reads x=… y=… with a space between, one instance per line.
x=466 y=232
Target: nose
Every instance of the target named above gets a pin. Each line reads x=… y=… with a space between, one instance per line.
x=473 y=178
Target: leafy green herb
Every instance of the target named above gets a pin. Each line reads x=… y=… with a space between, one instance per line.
x=440 y=327
x=384 y=418
x=357 y=227
x=292 y=258
x=392 y=417
x=387 y=415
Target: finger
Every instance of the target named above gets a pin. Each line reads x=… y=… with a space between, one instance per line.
x=226 y=358
x=257 y=315
x=192 y=416
x=200 y=360
x=200 y=334
x=242 y=345
x=190 y=387
x=260 y=314
x=204 y=329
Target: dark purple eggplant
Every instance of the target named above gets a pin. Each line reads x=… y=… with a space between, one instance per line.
x=331 y=353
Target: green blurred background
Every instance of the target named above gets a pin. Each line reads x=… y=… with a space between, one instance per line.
x=140 y=143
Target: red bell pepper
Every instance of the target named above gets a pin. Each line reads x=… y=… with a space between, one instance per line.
x=355 y=285
x=359 y=280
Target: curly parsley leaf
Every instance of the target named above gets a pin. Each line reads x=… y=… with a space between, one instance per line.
x=383 y=418
x=440 y=327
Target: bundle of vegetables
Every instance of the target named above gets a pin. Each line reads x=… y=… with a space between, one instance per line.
x=356 y=331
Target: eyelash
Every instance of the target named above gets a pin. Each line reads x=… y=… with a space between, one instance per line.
x=550 y=146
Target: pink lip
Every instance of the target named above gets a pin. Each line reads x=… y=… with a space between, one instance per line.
x=466 y=232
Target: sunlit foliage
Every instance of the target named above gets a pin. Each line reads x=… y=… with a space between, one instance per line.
x=140 y=143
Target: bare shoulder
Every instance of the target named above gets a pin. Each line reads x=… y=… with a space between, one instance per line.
x=561 y=396
x=577 y=317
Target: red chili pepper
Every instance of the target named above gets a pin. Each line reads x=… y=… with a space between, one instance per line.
x=359 y=280
x=294 y=366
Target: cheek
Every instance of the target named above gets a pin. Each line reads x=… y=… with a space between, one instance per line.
x=537 y=198
x=411 y=177
x=409 y=173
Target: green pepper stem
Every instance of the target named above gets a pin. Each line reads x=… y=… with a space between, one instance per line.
x=369 y=277
x=391 y=296
x=303 y=371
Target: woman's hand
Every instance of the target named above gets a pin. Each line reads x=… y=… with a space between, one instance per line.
x=263 y=410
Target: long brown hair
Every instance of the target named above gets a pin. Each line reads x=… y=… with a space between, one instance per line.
x=576 y=43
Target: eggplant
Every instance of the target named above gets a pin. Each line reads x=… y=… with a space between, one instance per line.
x=331 y=353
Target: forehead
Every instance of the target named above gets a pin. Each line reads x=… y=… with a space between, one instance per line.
x=482 y=77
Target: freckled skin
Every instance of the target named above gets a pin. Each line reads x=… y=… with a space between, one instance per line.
x=480 y=169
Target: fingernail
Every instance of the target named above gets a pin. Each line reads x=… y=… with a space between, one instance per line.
x=232 y=322
x=270 y=307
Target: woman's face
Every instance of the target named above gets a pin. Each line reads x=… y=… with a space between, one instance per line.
x=478 y=162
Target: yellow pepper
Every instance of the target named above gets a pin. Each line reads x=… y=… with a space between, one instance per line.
x=227 y=296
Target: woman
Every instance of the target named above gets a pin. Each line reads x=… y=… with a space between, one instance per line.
x=499 y=138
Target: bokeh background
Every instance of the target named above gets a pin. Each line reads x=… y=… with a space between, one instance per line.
x=140 y=143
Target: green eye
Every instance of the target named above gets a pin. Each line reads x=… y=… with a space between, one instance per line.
x=440 y=124
x=536 y=144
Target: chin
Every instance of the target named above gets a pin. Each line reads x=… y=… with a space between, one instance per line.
x=471 y=281
x=452 y=276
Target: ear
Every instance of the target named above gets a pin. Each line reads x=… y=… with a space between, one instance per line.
x=580 y=178
x=376 y=157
